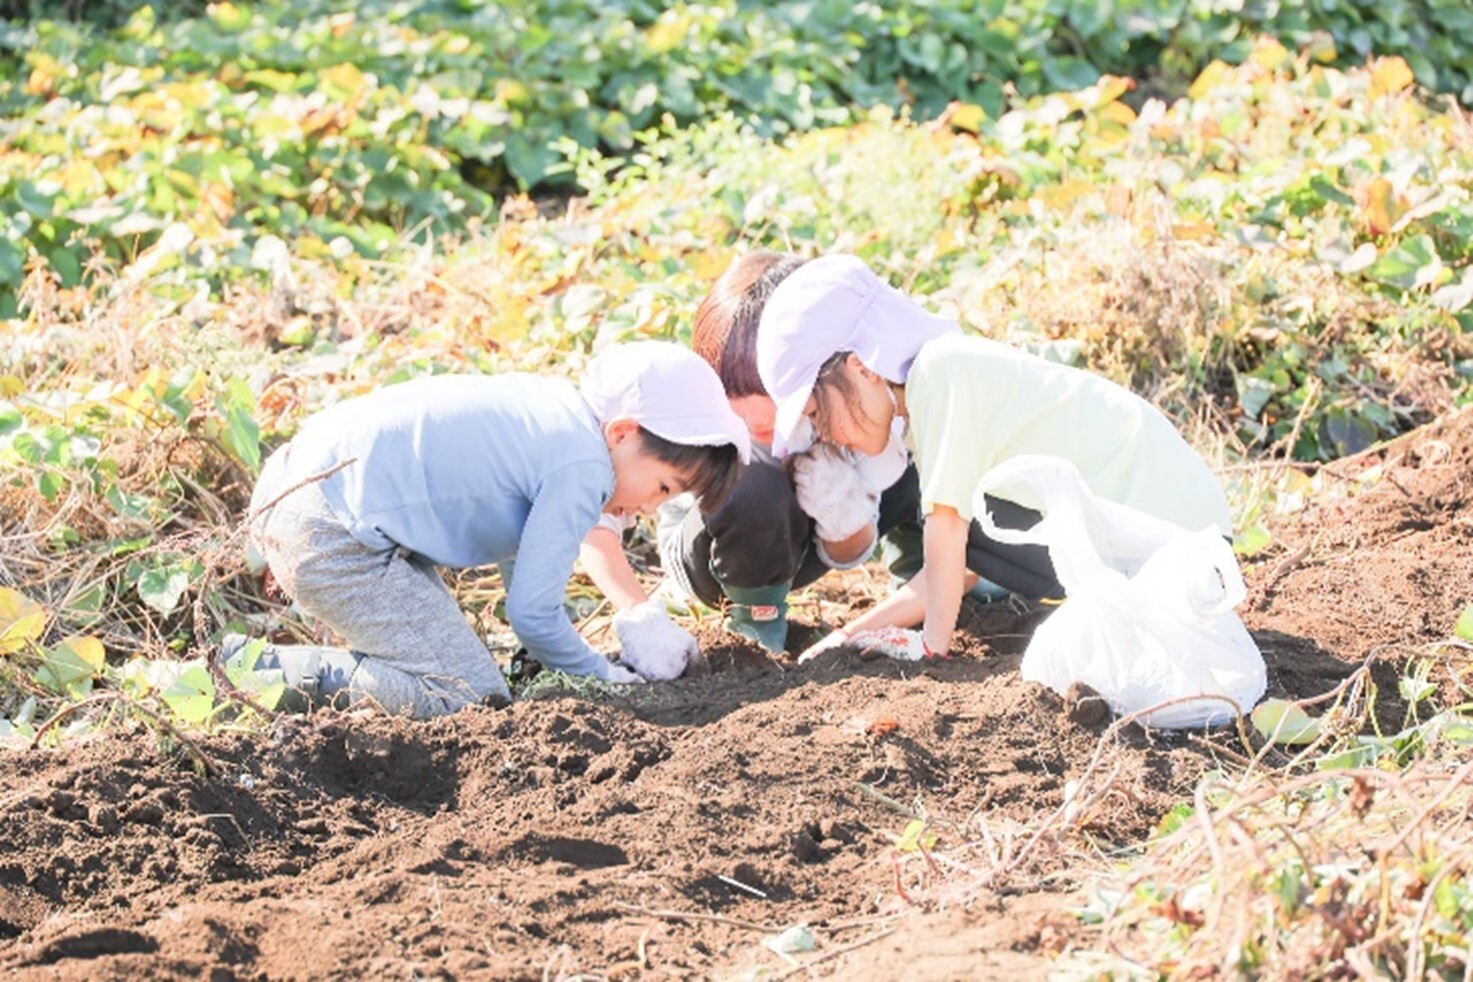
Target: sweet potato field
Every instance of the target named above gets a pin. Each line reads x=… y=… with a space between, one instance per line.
x=1277 y=256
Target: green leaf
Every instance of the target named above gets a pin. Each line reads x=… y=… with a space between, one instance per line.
x=267 y=685
x=242 y=435
x=70 y=667
x=1464 y=627
x=163 y=586
x=1346 y=432
x=68 y=267
x=86 y=606
x=33 y=200
x=1282 y=721
x=12 y=262
x=1409 y=264
x=1173 y=820
x=192 y=695
x=1252 y=541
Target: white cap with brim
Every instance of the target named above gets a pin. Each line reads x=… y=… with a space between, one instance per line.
x=667 y=389
x=825 y=306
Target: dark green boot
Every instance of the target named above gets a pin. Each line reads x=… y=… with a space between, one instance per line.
x=759 y=613
x=902 y=550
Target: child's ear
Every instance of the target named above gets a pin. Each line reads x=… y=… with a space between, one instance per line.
x=619 y=429
x=855 y=365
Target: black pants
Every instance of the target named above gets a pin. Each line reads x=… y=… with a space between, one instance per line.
x=760 y=536
x=1025 y=570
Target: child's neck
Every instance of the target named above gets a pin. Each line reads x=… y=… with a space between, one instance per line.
x=898 y=393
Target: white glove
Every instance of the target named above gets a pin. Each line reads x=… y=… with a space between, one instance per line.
x=832 y=493
x=892 y=642
x=610 y=671
x=830 y=641
x=654 y=645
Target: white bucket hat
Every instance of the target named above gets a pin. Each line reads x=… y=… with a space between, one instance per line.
x=669 y=390
x=832 y=304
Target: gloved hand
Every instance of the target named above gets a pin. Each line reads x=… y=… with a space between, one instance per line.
x=892 y=642
x=899 y=643
x=654 y=645
x=612 y=671
x=832 y=492
x=830 y=641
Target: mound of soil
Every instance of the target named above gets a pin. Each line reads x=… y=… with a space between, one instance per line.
x=673 y=831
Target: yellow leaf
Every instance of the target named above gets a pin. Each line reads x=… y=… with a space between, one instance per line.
x=1117 y=112
x=1322 y=49
x=511 y=92
x=1066 y=194
x=1112 y=87
x=1212 y=76
x=87 y=649
x=22 y=620
x=913 y=838
x=968 y=117
x=44 y=75
x=11 y=385
x=346 y=78
x=1195 y=232
x=1390 y=75
x=1381 y=207
x=1270 y=54
x=668 y=33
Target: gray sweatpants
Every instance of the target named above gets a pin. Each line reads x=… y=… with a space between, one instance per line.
x=412 y=650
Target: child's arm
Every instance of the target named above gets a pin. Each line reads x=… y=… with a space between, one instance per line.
x=912 y=603
x=850 y=552
x=651 y=643
x=603 y=559
x=946 y=574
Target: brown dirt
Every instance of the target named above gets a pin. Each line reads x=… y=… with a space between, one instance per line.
x=671 y=832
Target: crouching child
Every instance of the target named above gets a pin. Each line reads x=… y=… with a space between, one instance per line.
x=357 y=513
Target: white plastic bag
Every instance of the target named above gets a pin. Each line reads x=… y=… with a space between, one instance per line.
x=1149 y=610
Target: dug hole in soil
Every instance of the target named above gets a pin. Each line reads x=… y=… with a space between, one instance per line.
x=672 y=832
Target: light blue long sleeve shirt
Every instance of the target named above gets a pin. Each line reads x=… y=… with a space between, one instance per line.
x=468 y=470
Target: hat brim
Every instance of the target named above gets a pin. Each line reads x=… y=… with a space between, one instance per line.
x=701 y=431
x=788 y=423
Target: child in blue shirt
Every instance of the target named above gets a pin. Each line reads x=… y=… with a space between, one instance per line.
x=356 y=513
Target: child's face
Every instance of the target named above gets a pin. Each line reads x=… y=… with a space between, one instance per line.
x=759 y=413
x=642 y=481
x=859 y=418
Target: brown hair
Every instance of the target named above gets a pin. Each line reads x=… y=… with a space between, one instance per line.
x=710 y=471
x=725 y=332
x=832 y=385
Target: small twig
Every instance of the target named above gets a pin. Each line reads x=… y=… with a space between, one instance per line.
x=884 y=799
x=1282 y=569
x=1211 y=747
x=741 y=886
x=853 y=922
x=680 y=915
